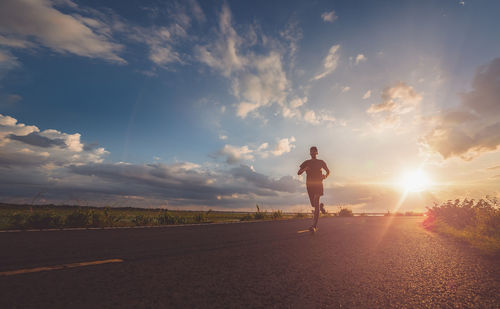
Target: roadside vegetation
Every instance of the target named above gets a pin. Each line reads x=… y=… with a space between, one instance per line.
x=475 y=222
x=51 y=216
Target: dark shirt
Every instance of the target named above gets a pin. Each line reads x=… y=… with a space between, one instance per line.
x=314 y=174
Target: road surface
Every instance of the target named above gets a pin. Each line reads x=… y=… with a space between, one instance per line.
x=360 y=262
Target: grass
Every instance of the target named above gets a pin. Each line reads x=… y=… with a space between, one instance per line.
x=475 y=222
x=51 y=216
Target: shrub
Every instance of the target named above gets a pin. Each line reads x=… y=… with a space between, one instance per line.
x=165 y=218
x=277 y=214
x=17 y=220
x=345 y=212
x=246 y=217
x=259 y=215
x=109 y=218
x=78 y=219
x=142 y=220
x=200 y=218
x=476 y=222
x=96 y=219
x=43 y=221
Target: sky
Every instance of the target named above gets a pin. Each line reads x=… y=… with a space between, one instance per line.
x=214 y=104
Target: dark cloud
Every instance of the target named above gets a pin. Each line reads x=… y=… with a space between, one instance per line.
x=35 y=139
x=474 y=127
x=175 y=182
x=283 y=184
x=484 y=99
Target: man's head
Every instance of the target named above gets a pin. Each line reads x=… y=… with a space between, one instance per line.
x=313 y=151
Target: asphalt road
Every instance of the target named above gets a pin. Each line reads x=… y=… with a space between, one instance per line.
x=360 y=262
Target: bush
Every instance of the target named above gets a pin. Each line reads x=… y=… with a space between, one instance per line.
x=142 y=220
x=167 y=219
x=345 y=212
x=476 y=222
x=200 y=218
x=43 y=221
x=277 y=214
x=17 y=220
x=96 y=219
x=78 y=219
x=246 y=217
x=109 y=218
x=259 y=215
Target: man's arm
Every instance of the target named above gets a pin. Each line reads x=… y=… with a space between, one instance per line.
x=326 y=169
x=303 y=168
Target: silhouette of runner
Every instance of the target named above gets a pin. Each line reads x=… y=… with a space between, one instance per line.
x=314 y=183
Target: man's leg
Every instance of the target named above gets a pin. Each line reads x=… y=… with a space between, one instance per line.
x=316 y=210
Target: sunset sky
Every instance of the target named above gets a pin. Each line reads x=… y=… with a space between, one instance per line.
x=214 y=104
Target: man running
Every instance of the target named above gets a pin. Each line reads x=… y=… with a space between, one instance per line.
x=314 y=183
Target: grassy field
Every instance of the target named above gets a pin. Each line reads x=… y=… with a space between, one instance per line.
x=475 y=222
x=51 y=216
x=67 y=216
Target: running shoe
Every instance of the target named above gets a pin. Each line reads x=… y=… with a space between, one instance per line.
x=322 y=208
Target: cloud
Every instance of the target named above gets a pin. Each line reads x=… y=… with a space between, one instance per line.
x=330 y=62
x=473 y=127
x=283 y=184
x=360 y=58
x=222 y=54
x=162 y=55
x=197 y=11
x=292 y=34
x=313 y=118
x=35 y=139
x=236 y=154
x=329 y=17
x=345 y=89
x=257 y=80
x=7 y=62
x=284 y=145
x=23 y=145
x=26 y=23
x=398 y=99
x=367 y=94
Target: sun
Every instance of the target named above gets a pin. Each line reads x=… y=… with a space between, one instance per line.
x=415 y=181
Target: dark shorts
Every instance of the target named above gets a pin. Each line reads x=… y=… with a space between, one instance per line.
x=314 y=189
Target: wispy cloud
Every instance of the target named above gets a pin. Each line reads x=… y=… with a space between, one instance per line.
x=25 y=24
x=367 y=95
x=330 y=62
x=258 y=80
x=397 y=100
x=237 y=154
